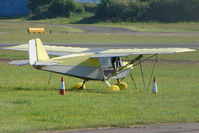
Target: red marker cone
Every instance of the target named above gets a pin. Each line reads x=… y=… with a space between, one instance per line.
x=62 y=87
x=154 y=88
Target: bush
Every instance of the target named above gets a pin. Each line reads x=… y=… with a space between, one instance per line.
x=131 y=10
x=64 y=7
x=35 y=5
x=91 y=8
x=135 y=11
x=53 y=8
x=148 y=10
x=174 y=10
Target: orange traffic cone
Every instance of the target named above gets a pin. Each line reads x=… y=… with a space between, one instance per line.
x=62 y=87
x=154 y=88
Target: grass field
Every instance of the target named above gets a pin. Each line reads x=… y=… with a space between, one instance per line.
x=28 y=104
x=137 y=26
x=140 y=26
x=17 y=33
x=157 y=27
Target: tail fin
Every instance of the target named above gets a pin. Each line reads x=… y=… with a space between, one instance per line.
x=37 y=52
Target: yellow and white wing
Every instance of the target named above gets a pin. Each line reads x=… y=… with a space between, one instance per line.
x=102 y=52
x=148 y=51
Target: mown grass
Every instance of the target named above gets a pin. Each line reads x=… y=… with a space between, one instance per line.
x=10 y=55
x=135 y=26
x=17 y=33
x=141 y=26
x=96 y=38
x=21 y=27
x=28 y=104
x=157 y=27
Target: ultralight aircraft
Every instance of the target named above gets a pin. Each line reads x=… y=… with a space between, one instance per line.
x=87 y=63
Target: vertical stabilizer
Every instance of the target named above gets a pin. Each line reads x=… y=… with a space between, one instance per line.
x=37 y=51
x=32 y=52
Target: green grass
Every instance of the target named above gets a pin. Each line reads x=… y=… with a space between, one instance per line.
x=157 y=27
x=136 y=26
x=21 y=27
x=10 y=55
x=17 y=33
x=28 y=104
x=180 y=56
x=96 y=38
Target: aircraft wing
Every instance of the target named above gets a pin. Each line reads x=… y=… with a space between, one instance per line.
x=148 y=51
x=19 y=62
x=99 y=53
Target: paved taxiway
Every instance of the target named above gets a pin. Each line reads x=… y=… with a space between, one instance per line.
x=161 y=128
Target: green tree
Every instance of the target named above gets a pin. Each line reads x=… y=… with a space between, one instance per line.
x=64 y=7
x=35 y=4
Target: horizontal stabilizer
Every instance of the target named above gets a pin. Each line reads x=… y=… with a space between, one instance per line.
x=22 y=47
x=24 y=62
x=38 y=63
x=19 y=62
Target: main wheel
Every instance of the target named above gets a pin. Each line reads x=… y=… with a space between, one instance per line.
x=122 y=85
x=113 y=88
x=78 y=86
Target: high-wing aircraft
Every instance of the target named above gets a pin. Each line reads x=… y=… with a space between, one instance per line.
x=87 y=63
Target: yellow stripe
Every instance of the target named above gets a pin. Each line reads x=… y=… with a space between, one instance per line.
x=41 y=52
x=79 y=61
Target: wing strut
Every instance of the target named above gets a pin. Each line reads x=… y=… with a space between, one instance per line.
x=141 y=69
x=50 y=78
x=154 y=65
x=144 y=59
x=133 y=81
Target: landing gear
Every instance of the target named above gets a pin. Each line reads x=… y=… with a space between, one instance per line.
x=79 y=86
x=119 y=86
x=122 y=85
x=113 y=88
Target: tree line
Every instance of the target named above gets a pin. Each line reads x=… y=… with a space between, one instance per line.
x=122 y=10
x=54 y=8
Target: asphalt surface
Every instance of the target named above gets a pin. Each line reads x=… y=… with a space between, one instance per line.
x=162 y=128
x=101 y=29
